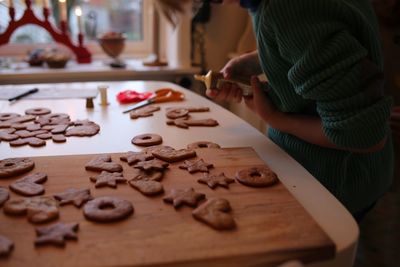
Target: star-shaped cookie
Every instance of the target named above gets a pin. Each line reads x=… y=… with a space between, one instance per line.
x=178 y=197
x=108 y=179
x=153 y=164
x=135 y=157
x=74 y=196
x=197 y=165
x=213 y=180
x=56 y=234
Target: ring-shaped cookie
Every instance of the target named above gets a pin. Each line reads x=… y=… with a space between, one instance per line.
x=202 y=144
x=107 y=209
x=257 y=176
x=147 y=140
x=177 y=113
x=37 y=111
x=14 y=166
x=8 y=116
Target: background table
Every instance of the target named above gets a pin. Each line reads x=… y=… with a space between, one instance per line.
x=117 y=130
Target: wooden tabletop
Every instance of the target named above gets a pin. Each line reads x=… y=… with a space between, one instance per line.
x=117 y=130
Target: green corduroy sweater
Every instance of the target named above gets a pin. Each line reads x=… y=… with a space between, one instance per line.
x=312 y=52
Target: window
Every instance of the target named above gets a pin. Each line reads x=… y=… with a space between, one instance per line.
x=132 y=17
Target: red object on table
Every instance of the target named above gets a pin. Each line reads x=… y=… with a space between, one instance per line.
x=130 y=96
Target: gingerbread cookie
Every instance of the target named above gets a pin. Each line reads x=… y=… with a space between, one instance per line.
x=152 y=175
x=58 y=138
x=44 y=136
x=16 y=120
x=83 y=128
x=214 y=212
x=257 y=176
x=107 y=209
x=135 y=157
x=8 y=116
x=187 y=122
x=59 y=129
x=170 y=154
x=32 y=141
x=202 y=144
x=26 y=134
x=53 y=119
x=178 y=197
x=38 y=209
x=109 y=179
x=150 y=165
x=196 y=165
x=8 y=135
x=77 y=197
x=6 y=246
x=56 y=234
x=151 y=149
x=4 y=195
x=19 y=126
x=182 y=112
x=33 y=127
x=147 y=140
x=146 y=111
x=147 y=187
x=15 y=166
x=37 y=111
x=103 y=163
x=30 y=185
x=213 y=180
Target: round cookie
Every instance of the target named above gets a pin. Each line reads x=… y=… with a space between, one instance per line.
x=8 y=116
x=257 y=177
x=147 y=140
x=107 y=209
x=13 y=166
x=202 y=144
x=177 y=113
x=37 y=111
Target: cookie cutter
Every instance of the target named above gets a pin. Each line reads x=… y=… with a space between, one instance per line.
x=214 y=80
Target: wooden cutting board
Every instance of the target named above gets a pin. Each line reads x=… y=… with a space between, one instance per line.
x=272 y=227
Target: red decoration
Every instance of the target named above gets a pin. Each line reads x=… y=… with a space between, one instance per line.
x=82 y=53
x=129 y=96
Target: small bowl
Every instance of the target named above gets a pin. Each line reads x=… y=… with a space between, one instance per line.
x=56 y=60
x=56 y=64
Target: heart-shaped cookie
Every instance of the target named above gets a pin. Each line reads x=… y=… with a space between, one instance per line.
x=214 y=212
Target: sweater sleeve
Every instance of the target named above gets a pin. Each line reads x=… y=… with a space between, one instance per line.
x=333 y=67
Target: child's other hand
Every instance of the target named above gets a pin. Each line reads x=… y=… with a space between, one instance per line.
x=260 y=103
x=226 y=92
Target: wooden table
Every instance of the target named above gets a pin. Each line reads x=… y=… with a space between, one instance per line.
x=232 y=132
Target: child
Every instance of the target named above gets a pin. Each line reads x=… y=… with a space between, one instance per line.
x=324 y=99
